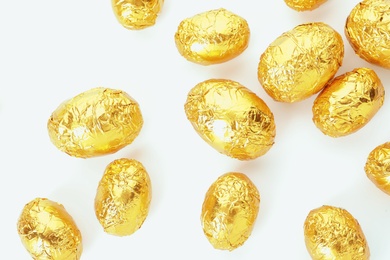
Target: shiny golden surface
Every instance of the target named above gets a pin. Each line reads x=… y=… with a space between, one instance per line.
x=230 y=210
x=300 y=62
x=136 y=14
x=377 y=167
x=48 y=232
x=96 y=122
x=333 y=233
x=212 y=37
x=348 y=102
x=123 y=197
x=368 y=31
x=231 y=118
x=304 y=5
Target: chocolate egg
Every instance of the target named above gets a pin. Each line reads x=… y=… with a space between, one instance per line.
x=377 y=167
x=123 y=197
x=96 y=122
x=333 y=233
x=230 y=210
x=348 y=102
x=304 y=5
x=137 y=14
x=300 y=62
x=212 y=37
x=367 y=30
x=231 y=118
x=48 y=231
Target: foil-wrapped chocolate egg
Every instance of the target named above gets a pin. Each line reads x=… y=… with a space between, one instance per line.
x=137 y=14
x=300 y=62
x=348 y=102
x=304 y=5
x=96 y=122
x=367 y=30
x=48 y=231
x=231 y=118
x=333 y=233
x=230 y=210
x=212 y=37
x=377 y=167
x=123 y=197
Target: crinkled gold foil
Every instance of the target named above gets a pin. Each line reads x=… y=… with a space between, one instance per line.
x=368 y=31
x=212 y=37
x=300 y=62
x=348 y=102
x=333 y=233
x=231 y=118
x=48 y=231
x=96 y=122
x=137 y=14
x=230 y=210
x=377 y=167
x=304 y=5
x=123 y=197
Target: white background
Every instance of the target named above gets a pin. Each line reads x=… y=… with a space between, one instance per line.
x=51 y=51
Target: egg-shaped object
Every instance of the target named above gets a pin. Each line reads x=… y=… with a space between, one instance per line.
x=300 y=62
x=96 y=122
x=368 y=32
x=231 y=118
x=230 y=210
x=123 y=197
x=348 y=102
x=212 y=37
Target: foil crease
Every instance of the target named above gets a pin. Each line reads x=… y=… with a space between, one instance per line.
x=230 y=210
x=368 y=32
x=231 y=118
x=212 y=37
x=300 y=62
x=348 y=103
x=96 y=122
x=137 y=14
x=377 y=167
x=48 y=232
x=304 y=5
x=123 y=197
x=333 y=233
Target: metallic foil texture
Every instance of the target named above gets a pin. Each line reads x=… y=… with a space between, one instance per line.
x=304 y=5
x=300 y=62
x=123 y=197
x=231 y=118
x=48 y=232
x=137 y=14
x=377 y=167
x=230 y=210
x=348 y=102
x=333 y=233
x=212 y=37
x=96 y=122
x=367 y=30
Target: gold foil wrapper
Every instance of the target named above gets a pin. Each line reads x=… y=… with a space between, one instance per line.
x=300 y=62
x=123 y=197
x=231 y=118
x=348 y=103
x=304 y=5
x=230 y=210
x=212 y=37
x=333 y=233
x=96 y=122
x=48 y=232
x=377 y=167
x=137 y=14
x=367 y=30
